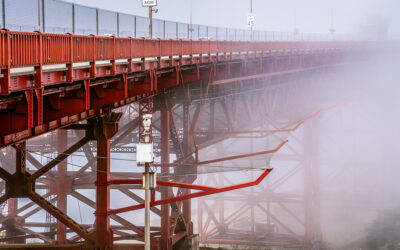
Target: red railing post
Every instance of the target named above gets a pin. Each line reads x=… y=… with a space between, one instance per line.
x=228 y=50
x=180 y=52
x=143 y=54
x=171 y=52
x=214 y=49
x=246 y=44
x=231 y=46
x=93 y=61
x=151 y=77
x=113 y=66
x=209 y=50
x=201 y=51
x=130 y=66
x=217 y=45
x=5 y=86
x=155 y=80
x=39 y=67
x=225 y=48
x=39 y=79
x=70 y=71
x=159 y=54
x=191 y=51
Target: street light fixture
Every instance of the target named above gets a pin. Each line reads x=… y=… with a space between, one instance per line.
x=150 y=4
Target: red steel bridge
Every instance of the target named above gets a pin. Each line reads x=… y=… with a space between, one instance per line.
x=67 y=94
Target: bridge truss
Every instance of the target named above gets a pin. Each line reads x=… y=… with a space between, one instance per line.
x=202 y=93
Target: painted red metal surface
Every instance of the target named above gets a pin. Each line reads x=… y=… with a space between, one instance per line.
x=204 y=191
x=167 y=198
x=23 y=49
x=233 y=157
x=117 y=71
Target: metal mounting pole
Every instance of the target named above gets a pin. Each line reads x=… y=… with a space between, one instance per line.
x=147 y=208
x=145 y=128
x=147 y=198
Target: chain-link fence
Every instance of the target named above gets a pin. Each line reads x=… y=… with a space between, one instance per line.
x=55 y=16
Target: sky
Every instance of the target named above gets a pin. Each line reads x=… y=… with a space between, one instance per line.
x=310 y=16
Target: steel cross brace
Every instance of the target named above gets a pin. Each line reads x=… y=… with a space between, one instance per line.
x=204 y=190
x=22 y=184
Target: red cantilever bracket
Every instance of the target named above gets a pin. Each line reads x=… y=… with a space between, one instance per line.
x=205 y=190
x=234 y=157
x=250 y=131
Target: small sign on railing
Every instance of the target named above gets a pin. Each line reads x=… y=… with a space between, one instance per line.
x=149 y=3
x=250 y=20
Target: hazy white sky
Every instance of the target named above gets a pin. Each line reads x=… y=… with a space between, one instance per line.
x=313 y=16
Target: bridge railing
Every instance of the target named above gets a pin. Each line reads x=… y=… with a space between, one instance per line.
x=54 y=16
x=82 y=48
x=53 y=54
x=23 y=49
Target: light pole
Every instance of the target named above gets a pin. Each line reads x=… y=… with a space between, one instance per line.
x=190 y=23
x=250 y=20
x=251 y=26
x=38 y=6
x=151 y=21
x=150 y=4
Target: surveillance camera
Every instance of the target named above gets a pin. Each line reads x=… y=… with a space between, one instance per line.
x=155 y=10
x=147 y=121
